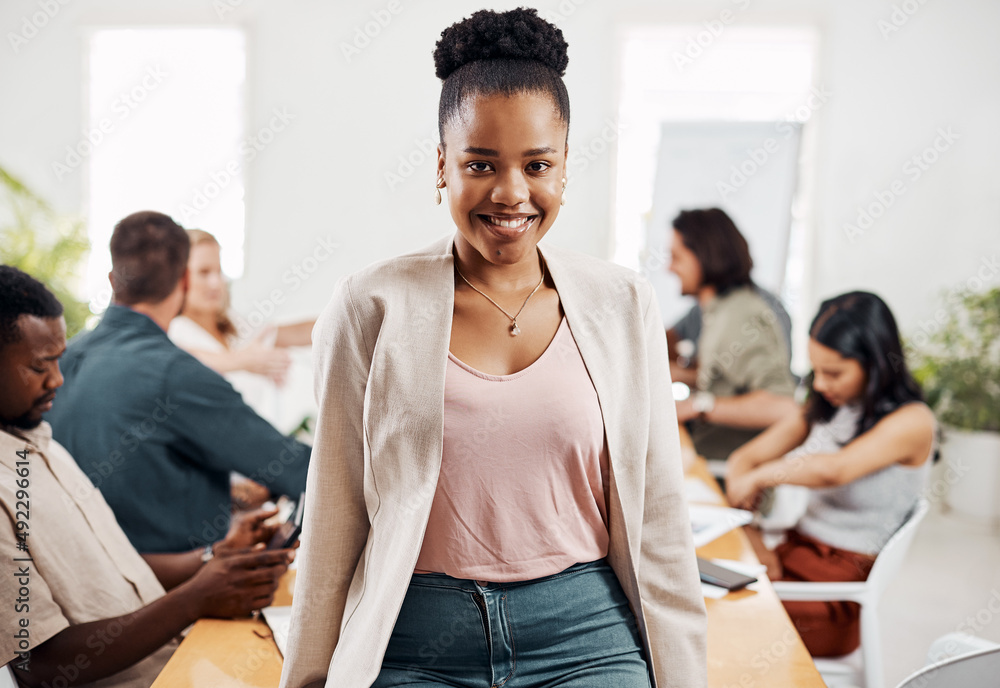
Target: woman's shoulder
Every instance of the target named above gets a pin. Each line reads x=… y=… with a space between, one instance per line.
x=913 y=415
x=912 y=425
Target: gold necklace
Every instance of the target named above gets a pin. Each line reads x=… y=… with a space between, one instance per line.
x=514 y=329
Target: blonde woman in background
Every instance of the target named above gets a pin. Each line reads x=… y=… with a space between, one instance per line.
x=256 y=367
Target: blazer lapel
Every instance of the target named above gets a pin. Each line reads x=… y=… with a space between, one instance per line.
x=406 y=412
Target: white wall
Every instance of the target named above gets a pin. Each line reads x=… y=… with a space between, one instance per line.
x=323 y=177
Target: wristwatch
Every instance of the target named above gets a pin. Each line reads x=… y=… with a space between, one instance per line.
x=703 y=403
x=207 y=555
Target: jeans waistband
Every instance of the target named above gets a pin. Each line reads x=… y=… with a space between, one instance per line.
x=445 y=581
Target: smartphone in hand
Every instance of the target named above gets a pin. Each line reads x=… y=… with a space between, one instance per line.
x=289 y=531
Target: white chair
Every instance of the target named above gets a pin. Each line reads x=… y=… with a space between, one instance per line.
x=955 y=644
x=977 y=664
x=7 y=679
x=867 y=594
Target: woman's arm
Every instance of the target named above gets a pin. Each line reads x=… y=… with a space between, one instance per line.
x=757 y=409
x=253 y=358
x=773 y=443
x=905 y=436
x=295 y=334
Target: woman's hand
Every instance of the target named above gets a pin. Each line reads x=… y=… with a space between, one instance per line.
x=743 y=490
x=261 y=358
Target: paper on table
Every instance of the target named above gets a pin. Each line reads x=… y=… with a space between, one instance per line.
x=278 y=619
x=711 y=522
x=698 y=492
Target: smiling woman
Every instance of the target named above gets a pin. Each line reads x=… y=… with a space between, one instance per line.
x=496 y=455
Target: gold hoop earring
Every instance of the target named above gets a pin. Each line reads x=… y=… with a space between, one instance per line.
x=562 y=200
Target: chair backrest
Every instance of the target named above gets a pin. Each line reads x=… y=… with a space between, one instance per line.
x=890 y=558
x=973 y=670
x=7 y=679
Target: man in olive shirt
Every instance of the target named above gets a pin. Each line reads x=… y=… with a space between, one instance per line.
x=158 y=432
x=743 y=382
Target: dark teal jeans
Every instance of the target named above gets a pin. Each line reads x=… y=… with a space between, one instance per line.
x=573 y=629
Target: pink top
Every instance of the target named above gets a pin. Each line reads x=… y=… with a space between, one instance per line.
x=521 y=492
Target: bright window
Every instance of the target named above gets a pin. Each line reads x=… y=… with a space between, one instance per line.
x=695 y=101
x=165 y=124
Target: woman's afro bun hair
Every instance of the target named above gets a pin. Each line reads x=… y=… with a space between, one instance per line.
x=518 y=34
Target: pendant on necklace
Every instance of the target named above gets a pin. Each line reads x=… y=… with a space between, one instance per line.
x=514 y=329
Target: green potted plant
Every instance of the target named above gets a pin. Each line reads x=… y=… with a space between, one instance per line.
x=958 y=366
x=48 y=246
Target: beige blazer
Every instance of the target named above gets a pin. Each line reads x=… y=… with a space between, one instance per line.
x=381 y=350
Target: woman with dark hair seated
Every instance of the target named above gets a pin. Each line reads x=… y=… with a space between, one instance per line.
x=863 y=442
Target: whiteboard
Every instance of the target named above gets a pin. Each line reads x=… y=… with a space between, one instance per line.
x=749 y=169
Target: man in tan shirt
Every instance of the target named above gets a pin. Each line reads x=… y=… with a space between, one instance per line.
x=81 y=606
x=742 y=382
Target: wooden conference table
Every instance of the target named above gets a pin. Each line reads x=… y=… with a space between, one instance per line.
x=751 y=641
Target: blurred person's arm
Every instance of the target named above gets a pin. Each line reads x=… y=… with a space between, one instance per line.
x=779 y=439
x=227 y=435
x=258 y=357
x=905 y=436
x=295 y=334
x=757 y=409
